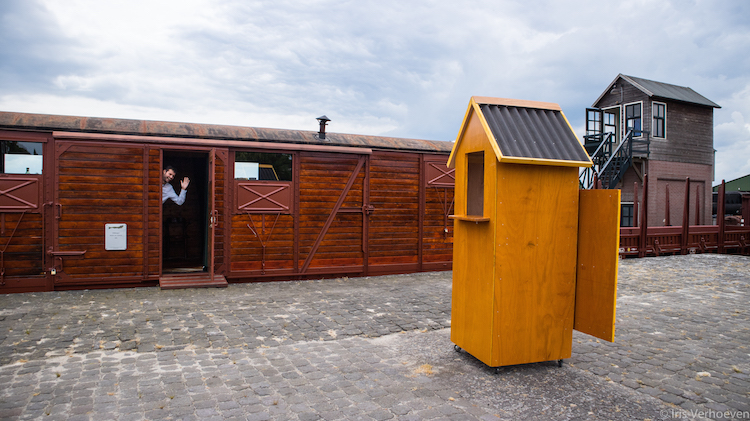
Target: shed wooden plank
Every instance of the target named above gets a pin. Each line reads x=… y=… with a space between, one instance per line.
x=536 y=220
x=598 y=256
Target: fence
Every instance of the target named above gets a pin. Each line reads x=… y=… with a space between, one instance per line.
x=644 y=241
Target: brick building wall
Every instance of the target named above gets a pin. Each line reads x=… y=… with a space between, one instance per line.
x=663 y=173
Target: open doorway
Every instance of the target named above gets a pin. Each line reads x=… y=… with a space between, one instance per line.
x=184 y=226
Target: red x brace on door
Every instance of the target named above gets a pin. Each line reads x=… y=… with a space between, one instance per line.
x=262 y=196
x=439 y=175
x=19 y=194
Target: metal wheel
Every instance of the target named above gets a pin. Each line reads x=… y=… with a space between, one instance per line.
x=559 y=363
x=456 y=348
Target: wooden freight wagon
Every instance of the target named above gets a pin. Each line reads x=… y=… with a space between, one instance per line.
x=81 y=205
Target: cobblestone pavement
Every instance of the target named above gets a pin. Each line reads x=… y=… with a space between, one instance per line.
x=371 y=348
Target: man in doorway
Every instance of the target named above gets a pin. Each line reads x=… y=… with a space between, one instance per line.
x=167 y=191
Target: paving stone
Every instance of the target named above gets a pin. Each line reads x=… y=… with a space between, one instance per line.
x=327 y=350
x=670 y=398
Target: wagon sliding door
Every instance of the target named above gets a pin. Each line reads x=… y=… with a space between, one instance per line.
x=333 y=213
x=23 y=212
x=262 y=219
x=101 y=214
x=21 y=232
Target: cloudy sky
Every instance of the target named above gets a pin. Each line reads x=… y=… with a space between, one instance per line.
x=402 y=68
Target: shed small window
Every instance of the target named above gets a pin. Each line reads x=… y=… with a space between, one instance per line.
x=475 y=184
x=263 y=166
x=20 y=157
x=660 y=119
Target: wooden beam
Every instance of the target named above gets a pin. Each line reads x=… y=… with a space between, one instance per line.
x=720 y=210
x=685 y=218
x=642 y=241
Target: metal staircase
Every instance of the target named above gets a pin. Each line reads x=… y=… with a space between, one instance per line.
x=611 y=159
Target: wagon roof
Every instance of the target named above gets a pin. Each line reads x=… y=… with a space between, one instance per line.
x=525 y=132
x=47 y=122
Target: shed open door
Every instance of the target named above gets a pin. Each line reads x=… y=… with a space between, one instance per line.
x=598 y=255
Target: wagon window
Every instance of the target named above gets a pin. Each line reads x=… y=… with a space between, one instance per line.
x=263 y=182
x=263 y=166
x=20 y=157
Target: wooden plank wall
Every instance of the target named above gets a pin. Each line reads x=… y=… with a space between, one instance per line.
x=393 y=225
x=154 y=211
x=536 y=226
x=246 y=248
x=100 y=184
x=25 y=249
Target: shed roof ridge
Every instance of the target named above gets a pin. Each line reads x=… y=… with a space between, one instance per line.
x=520 y=103
x=634 y=81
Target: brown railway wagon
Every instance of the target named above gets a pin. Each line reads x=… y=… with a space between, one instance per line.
x=80 y=204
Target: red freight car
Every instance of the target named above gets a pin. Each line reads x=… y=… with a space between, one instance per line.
x=81 y=205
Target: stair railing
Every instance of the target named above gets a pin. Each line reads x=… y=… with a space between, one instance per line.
x=610 y=166
x=603 y=143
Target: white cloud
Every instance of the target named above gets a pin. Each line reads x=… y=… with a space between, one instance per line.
x=374 y=67
x=732 y=137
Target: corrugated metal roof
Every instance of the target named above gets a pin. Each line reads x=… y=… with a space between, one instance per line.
x=533 y=133
x=668 y=91
x=46 y=122
x=523 y=132
x=662 y=90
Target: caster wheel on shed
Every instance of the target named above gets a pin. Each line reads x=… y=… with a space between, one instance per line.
x=559 y=363
x=456 y=348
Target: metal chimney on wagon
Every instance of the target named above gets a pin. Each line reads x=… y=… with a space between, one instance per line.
x=323 y=120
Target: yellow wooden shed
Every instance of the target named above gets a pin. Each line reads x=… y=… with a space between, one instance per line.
x=533 y=256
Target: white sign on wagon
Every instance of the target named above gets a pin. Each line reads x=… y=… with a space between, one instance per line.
x=115 y=236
